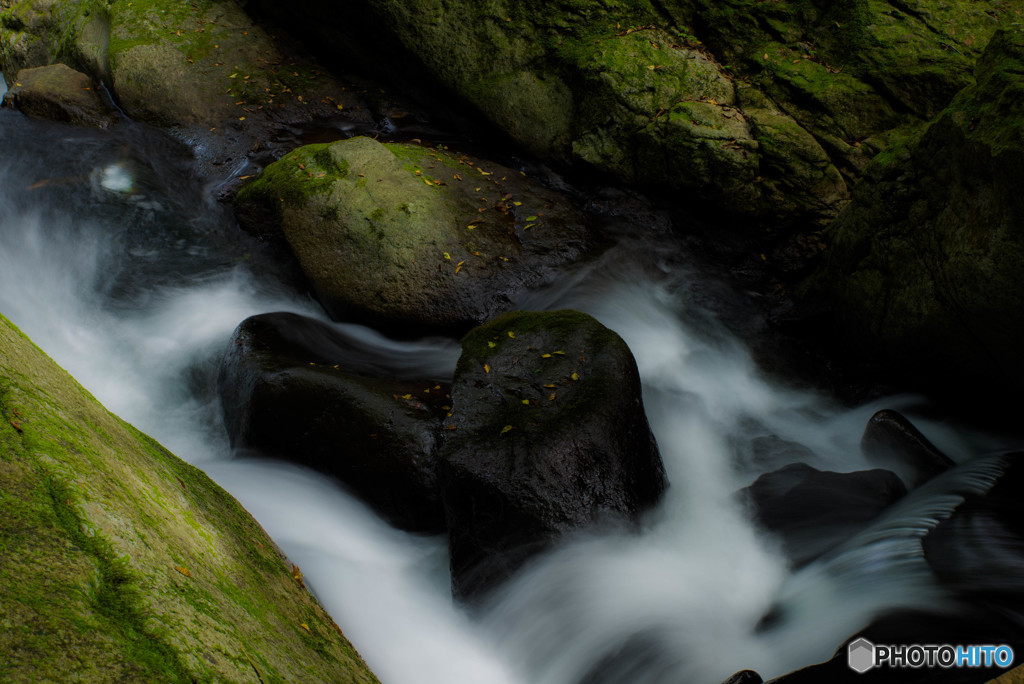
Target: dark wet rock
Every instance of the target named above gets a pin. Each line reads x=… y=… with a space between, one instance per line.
x=294 y=388
x=59 y=93
x=813 y=510
x=547 y=436
x=890 y=440
x=925 y=268
x=408 y=238
x=744 y=677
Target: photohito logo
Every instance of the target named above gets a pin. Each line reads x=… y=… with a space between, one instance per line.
x=862 y=655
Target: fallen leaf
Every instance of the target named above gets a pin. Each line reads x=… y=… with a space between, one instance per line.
x=531 y=218
x=526 y=402
x=560 y=353
x=492 y=345
x=506 y=429
x=487 y=368
x=545 y=356
x=511 y=334
x=183 y=571
x=551 y=386
x=552 y=397
x=407 y=396
x=447 y=256
x=458 y=266
x=575 y=376
x=304 y=626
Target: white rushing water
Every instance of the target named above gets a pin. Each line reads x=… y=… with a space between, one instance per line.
x=680 y=602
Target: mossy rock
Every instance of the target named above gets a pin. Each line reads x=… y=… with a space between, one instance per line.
x=296 y=389
x=123 y=563
x=59 y=93
x=643 y=91
x=408 y=238
x=547 y=436
x=926 y=265
x=202 y=69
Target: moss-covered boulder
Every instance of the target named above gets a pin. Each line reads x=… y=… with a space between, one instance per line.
x=547 y=435
x=123 y=563
x=650 y=92
x=59 y=93
x=296 y=389
x=202 y=69
x=926 y=265
x=409 y=238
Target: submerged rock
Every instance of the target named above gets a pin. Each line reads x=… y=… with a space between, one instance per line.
x=59 y=93
x=411 y=239
x=813 y=510
x=124 y=563
x=891 y=440
x=547 y=436
x=926 y=265
x=294 y=388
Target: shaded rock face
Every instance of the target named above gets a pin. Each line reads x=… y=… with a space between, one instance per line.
x=926 y=265
x=891 y=440
x=411 y=239
x=132 y=565
x=547 y=435
x=294 y=388
x=59 y=93
x=647 y=91
x=203 y=70
x=813 y=511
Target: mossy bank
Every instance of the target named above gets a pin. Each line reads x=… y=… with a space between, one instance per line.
x=120 y=562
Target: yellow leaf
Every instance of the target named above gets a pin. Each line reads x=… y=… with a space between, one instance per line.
x=575 y=376
x=407 y=396
x=511 y=334
x=545 y=356
x=551 y=386
x=234 y=75
x=487 y=368
x=492 y=345
x=447 y=256
x=526 y=402
x=183 y=571
x=518 y=204
x=304 y=626
x=552 y=397
x=457 y=177
x=531 y=218
x=341 y=106
x=486 y=173
x=428 y=182
x=528 y=226
x=560 y=353
x=506 y=429
x=458 y=266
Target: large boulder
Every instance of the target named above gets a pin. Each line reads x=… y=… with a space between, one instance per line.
x=547 y=436
x=123 y=563
x=755 y=106
x=59 y=93
x=294 y=388
x=812 y=510
x=892 y=441
x=408 y=238
x=926 y=265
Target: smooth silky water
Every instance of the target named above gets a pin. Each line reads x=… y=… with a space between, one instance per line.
x=124 y=269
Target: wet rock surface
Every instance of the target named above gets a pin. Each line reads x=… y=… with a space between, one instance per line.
x=59 y=93
x=547 y=436
x=294 y=388
x=412 y=239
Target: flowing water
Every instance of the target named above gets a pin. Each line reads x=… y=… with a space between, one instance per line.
x=127 y=272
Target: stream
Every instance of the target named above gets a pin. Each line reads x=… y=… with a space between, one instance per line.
x=123 y=267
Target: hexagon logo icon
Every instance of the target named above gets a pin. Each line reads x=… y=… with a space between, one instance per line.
x=860 y=655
